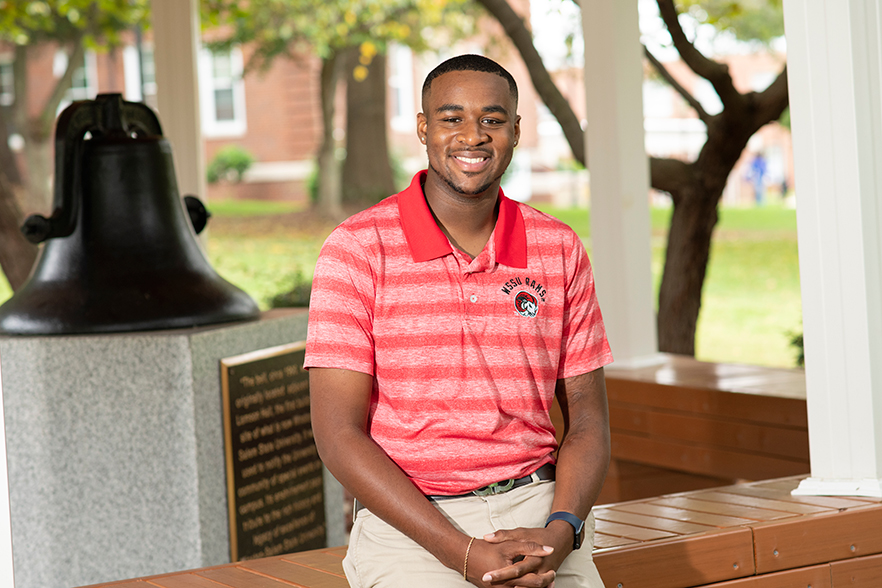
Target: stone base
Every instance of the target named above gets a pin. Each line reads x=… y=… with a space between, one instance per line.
x=116 y=450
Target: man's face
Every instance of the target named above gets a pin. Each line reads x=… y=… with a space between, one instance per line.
x=470 y=126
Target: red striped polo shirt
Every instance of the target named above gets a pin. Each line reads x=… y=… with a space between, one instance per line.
x=465 y=353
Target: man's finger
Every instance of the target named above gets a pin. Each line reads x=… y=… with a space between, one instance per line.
x=517 y=571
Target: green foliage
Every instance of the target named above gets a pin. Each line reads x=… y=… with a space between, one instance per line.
x=323 y=27
x=799 y=345
x=229 y=163
x=297 y=296
x=97 y=22
x=748 y=20
x=247 y=208
x=785 y=118
x=312 y=183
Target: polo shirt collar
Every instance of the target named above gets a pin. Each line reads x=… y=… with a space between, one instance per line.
x=426 y=240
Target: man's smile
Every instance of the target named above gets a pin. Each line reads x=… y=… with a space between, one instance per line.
x=470 y=159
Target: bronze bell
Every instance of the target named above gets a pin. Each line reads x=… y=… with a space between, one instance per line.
x=121 y=253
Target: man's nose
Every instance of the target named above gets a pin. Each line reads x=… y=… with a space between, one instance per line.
x=472 y=134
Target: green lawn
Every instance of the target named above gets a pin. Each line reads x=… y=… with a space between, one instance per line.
x=751 y=306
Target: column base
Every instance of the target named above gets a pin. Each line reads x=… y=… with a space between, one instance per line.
x=839 y=487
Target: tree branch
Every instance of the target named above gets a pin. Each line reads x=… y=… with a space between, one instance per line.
x=558 y=105
x=714 y=72
x=772 y=101
x=669 y=175
x=664 y=73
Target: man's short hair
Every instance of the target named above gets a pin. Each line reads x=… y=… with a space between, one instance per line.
x=470 y=62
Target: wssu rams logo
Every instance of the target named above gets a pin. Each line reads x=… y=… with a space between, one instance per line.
x=526 y=304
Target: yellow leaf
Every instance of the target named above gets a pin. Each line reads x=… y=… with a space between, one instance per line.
x=368 y=49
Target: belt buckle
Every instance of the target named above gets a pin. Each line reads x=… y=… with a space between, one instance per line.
x=495 y=488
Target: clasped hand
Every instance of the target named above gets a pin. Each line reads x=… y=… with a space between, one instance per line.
x=521 y=557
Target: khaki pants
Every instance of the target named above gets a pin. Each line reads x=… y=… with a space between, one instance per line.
x=380 y=556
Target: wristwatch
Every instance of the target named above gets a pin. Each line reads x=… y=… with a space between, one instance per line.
x=577 y=523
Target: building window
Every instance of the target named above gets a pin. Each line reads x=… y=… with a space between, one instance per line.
x=140 y=74
x=401 y=89
x=7 y=87
x=222 y=93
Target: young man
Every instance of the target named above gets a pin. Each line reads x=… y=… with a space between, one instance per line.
x=443 y=322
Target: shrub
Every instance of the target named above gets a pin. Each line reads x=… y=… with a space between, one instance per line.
x=230 y=163
x=297 y=296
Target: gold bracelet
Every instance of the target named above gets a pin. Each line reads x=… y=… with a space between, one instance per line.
x=465 y=566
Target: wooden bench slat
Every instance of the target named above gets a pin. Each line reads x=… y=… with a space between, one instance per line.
x=755 y=408
x=602 y=541
x=320 y=560
x=293 y=572
x=758 y=502
x=778 y=441
x=679 y=527
x=631 y=532
x=722 y=555
x=820 y=538
x=863 y=572
x=829 y=502
x=677 y=514
x=711 y=461
x=722 y=508
x=816 y=577
x=235 y=577
x=180 y=581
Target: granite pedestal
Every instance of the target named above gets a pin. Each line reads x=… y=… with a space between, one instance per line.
x=116 y=450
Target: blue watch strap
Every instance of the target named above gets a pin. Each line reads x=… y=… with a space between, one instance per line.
x=577 y=523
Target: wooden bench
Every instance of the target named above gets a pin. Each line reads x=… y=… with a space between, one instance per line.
x=685 y=424
x=743 y=536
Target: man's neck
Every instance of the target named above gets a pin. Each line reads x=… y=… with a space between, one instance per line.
x=468 y=221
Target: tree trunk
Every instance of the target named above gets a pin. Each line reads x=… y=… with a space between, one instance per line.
x=37 y=197
x=686 y=259
x=367 y=173
x=8 y=166
x=696 y=190
x=17 y=255
x=329 y=201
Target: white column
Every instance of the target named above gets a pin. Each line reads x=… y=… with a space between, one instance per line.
x=176 y=41
x=835 y=77
x=619 y=172
x=6 y=576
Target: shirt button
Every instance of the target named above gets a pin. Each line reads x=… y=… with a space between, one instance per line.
x=473 y=298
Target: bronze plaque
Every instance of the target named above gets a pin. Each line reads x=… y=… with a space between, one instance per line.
x=274 y=475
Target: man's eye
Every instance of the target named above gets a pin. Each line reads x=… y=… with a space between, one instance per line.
x=492 y=121
x=452 y=119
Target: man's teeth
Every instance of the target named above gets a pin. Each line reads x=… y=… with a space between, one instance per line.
x=471 y=159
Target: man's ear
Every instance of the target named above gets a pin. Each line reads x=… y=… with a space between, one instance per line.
x=422 y=123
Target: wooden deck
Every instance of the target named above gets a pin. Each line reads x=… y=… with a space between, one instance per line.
x=743 y=536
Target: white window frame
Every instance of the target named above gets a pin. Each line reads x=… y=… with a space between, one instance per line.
x=211 y=126
x=132 y=67
x=401 y=83
x=7 y=80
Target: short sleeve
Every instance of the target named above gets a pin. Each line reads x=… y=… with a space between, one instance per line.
x=584 y=346
x=341 y=307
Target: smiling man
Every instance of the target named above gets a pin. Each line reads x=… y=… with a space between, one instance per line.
x=443 y=322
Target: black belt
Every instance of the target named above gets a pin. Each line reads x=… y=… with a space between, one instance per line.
x=545 y=472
